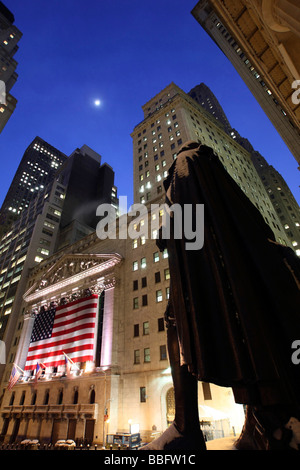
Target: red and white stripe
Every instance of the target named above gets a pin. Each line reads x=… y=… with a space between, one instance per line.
x=74 y=333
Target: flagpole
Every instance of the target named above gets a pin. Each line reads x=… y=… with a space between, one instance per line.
x=72 y=362
x=19 y=368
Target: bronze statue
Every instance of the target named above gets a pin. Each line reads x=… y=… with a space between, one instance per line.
x=233 y=312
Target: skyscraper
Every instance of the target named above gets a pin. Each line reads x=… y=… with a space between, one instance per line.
x=9 y=38
x=88 y=184
x=279 y=194
x=261 y=40
x=204 y=96
x=171 y=118
x=55 y=215
x=36 y=170
x=128 y=376
x=282 y=199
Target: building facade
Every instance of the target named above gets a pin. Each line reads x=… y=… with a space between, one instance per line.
x=128 y=382
x=282 y=199
x=35 y=172
x=261 y=40
x=173 y=117
x=55 y=217
x=31 y=239
x=9 y=38
x=126 y=379
x=280 y=196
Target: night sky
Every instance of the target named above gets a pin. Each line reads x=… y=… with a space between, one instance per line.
x=121 y=52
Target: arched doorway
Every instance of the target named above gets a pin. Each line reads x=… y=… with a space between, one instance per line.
x=170 y=405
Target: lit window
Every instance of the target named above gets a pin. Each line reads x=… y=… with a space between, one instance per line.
x=135 y=266
x=147 y=355
x=156 y=257
x=146 y=328
x=159 y=297
x=143 y=263
x=154 y=234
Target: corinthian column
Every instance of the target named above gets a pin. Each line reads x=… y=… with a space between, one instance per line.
x=107 y=329
x=24 y=342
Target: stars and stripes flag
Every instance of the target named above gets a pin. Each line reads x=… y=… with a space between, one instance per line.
x=38 y=371
x=14 y=377
x=68 y=366
x=67 y=329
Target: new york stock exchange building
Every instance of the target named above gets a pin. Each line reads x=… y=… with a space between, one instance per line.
x=91 y=344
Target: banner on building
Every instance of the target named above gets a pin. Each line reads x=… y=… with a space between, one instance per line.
x=67 y=329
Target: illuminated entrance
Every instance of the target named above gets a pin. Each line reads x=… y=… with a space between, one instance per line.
x=170 y=402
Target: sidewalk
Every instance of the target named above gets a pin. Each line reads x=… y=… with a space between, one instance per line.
x=226 y=443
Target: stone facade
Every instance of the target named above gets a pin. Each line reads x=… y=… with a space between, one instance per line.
x=261 y=40
x=130 y=380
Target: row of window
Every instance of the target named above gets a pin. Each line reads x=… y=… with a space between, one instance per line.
x=146 y=328
x=158 y=298
x=146 y=354
x=157 y=278
x=143 y=262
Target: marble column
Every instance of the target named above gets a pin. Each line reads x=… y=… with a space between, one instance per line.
x=107 y=329
x=24 y=342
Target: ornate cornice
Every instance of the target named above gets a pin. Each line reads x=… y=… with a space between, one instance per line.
x=71 y=270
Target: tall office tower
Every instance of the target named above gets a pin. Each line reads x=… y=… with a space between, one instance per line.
x=9 y=38
x=88 y=184
x=264 y=52
x=282 y=199
x=278 y=191
x=36 y=170
x=171 y=118
x=205 y=97
x=61 y=213
x=30 y=239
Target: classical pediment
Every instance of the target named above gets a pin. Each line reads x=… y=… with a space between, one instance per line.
x=69 y=270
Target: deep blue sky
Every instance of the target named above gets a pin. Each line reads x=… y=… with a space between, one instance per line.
x=122 y=52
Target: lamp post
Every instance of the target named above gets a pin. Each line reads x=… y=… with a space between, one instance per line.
x=105 y=420
x=105 y=414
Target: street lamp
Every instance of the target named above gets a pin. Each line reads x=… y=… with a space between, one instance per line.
x=105 y=413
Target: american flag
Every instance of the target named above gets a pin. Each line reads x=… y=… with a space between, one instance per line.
x=14 y=377
x=69 y=329
x=38 y=371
